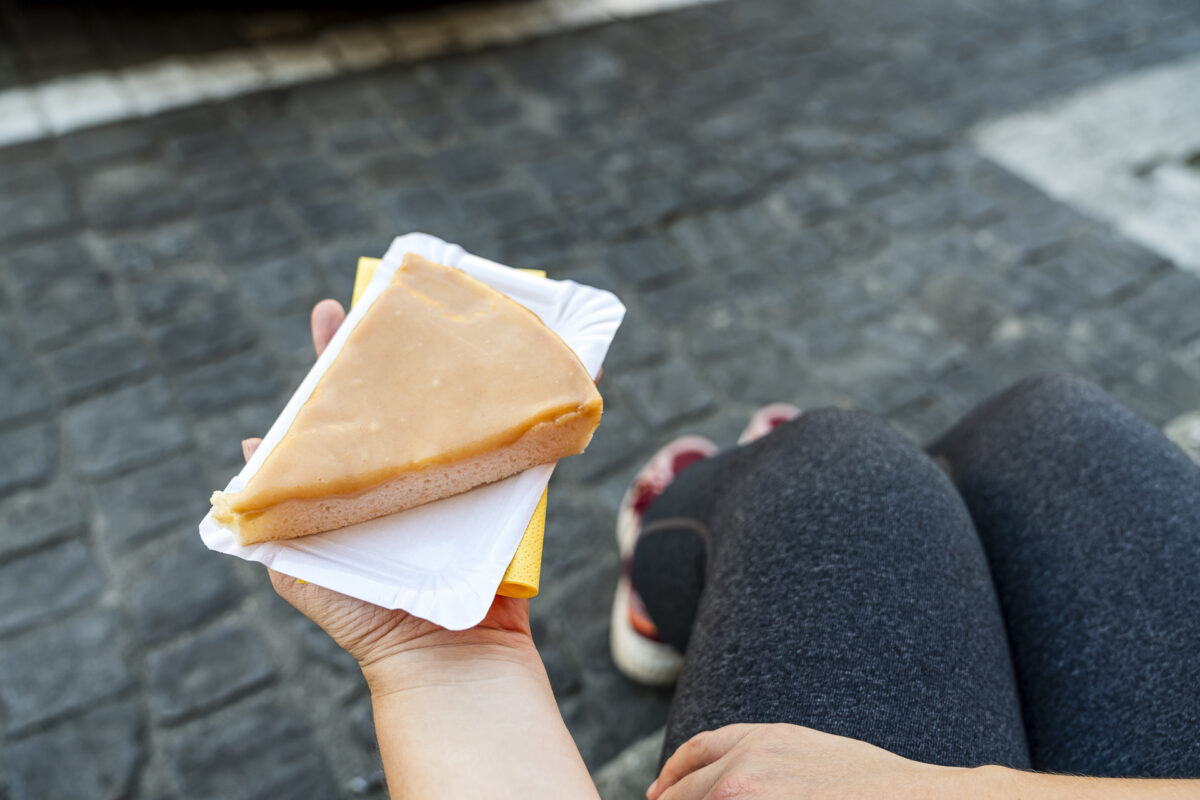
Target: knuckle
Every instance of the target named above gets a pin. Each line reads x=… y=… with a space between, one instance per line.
x=695 y=744
x=734 y=787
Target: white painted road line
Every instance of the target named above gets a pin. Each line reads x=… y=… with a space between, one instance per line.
x=1119 y=150
x=73 y=102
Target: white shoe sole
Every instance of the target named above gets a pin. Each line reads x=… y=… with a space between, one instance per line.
x=640 y=659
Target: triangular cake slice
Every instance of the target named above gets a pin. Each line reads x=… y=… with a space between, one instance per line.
x=445 y=384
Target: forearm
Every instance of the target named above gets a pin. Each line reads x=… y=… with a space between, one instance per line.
x=1001 y=783
x=473 y=724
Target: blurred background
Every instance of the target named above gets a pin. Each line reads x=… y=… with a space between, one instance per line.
x=901 y=207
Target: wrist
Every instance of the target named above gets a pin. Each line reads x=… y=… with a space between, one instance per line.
x=452 y=659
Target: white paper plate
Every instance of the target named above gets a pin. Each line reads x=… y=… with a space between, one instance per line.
x=442 y=561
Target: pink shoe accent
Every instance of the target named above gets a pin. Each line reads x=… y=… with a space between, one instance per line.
x=767 y=419
x=653 y=479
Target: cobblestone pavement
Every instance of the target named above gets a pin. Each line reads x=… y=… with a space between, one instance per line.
x=783 y=194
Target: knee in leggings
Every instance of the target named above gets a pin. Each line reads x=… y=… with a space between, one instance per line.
x=829 y=425
x=827 y=438
x=1054 y=390
x=1036 y=409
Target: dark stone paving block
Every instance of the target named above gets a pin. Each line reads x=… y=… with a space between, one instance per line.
x=189 y=120
x=856 y=178
x=760 y=376
x=179 y=588
x=142 y=503
x=355 y=137
x=181 y=294
x=423 y=208
x=666 y=394
x=568 y=178
x=1158 y=390
x=198 y=150
x=691 y=299
x=1002 y=363
x=430 y=128
x=248 y=233
x=291 y=337
x=222 y=188
x=852 y=235
x=28 y=457
x=27 y=164
x=646 y=262
x=211 y=670
x=128 y=196
x=147 y=250
x=37 y=517
x=93 y=757
x=611 y=714
x=96 y=145
x=220 y=435
x=35 y=212
x=582 y=602
x=214 y=757
x=809 y=198
x=1167 y=309
x=579 y=532
x=1026 y=236
x=914 y=340
x=191 y=341
x=281 y=285
x=396 y=167
x=309 y=178
x=67 y=667
x=124 y=429
x=561 y=667
x=219 y=386
x=22 y=390
x=60 y=291
x=99 y=361
x=914 y=210
x=1110 y=345
x=502 y=206
x=928 y=416
x=327 y=217
x=615 y=441
x=639 y=342
x=468 y=165
x=46 y=583
x=964 y=305
x=725 y=338
x=320 y=646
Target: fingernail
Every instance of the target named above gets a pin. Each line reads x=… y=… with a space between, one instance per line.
x=246 y=449
x=651 y=793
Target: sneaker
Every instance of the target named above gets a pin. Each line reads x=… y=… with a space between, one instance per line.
x=767 y=419
x=636 y=649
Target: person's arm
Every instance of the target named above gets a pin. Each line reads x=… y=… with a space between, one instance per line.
x=457 y=713
x=473 y=722
x=784 y=761
x=1002 y=783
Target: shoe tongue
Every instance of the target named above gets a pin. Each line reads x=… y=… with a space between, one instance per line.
x=684 y=460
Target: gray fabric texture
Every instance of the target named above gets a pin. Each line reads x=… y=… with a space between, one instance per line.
x=1037 y=610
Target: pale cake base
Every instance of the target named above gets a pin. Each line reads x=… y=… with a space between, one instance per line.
x=545 y=443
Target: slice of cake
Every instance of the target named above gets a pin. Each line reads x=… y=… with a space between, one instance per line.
x=445 y=384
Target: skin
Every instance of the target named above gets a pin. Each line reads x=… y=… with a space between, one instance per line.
x=471 y=714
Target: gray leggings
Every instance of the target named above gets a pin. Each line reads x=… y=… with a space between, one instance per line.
x=1038 y=608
